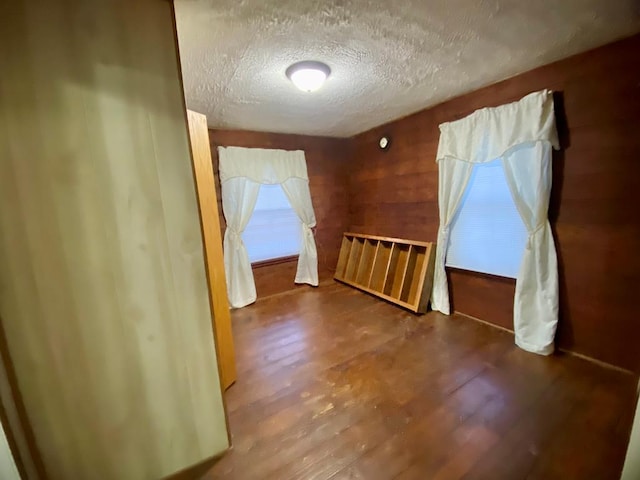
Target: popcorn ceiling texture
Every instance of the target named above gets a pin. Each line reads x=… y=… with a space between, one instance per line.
x=388 y=58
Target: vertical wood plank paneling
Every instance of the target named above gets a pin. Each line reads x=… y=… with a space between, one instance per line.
x=103 y=295
x=596 y=181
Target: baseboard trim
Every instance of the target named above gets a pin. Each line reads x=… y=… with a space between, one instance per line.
x=597 y=362
x=493 y=325
x=296 y=288
x=563 y=350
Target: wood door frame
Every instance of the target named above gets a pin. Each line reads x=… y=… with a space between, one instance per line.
x=193 y=172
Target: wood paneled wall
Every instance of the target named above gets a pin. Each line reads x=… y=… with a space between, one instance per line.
x=327 y=161
x=596 y=190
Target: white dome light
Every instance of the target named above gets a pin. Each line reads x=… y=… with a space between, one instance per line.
x=308 y=76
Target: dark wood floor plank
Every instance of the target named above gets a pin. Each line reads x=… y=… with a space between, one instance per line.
x=335 y=384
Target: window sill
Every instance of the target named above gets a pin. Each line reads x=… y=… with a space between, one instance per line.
x=274 y=261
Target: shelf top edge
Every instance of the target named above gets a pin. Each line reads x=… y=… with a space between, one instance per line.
x=389 y=239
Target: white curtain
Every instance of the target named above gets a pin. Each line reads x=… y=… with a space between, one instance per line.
x=297 y=191
x=535 y=307
x=453 y=178
x=242 y=171
x=239 y=195
x=521 y=134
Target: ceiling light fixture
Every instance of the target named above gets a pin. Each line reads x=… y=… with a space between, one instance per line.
x=308 y=76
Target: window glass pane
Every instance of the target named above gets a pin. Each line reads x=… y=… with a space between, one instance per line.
x=274 y=229
x=487 y=235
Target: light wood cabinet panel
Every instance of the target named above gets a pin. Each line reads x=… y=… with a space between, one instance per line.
x=105 y=335
x=210 y=222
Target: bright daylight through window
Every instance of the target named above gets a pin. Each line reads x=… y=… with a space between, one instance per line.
x=487 y=235
x=274 y=230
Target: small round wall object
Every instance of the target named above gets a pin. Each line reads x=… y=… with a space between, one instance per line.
x=384 y=142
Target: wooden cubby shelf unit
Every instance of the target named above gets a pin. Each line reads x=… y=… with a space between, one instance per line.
x=395 y=269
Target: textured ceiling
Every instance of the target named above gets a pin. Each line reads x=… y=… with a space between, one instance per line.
x=388 y=58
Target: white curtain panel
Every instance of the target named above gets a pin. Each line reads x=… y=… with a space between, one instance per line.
x=239 y=195
x=521 y=134
x=242 y=171
x=297 y=191
x=535 y=307
x=453 y=177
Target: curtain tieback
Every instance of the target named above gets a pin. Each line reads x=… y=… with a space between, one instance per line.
x=444 y=235
x=533 y=233
x=236 y=238
x=308 y=230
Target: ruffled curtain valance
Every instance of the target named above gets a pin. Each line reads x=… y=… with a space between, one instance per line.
x=262 y=165
x=489 y=133
x=521 y=135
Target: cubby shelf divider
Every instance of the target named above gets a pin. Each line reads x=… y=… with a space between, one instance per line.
x=395 y=269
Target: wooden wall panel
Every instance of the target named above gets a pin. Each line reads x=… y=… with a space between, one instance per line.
x=276 y=278
x=327 y=161
x=593 y=208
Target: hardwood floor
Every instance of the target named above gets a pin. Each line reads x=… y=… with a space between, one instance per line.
x=335 y=384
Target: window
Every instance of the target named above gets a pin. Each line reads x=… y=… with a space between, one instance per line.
x=487 y=235
x=274 y=230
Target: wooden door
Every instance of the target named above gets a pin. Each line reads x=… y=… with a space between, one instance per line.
x=208 y=203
